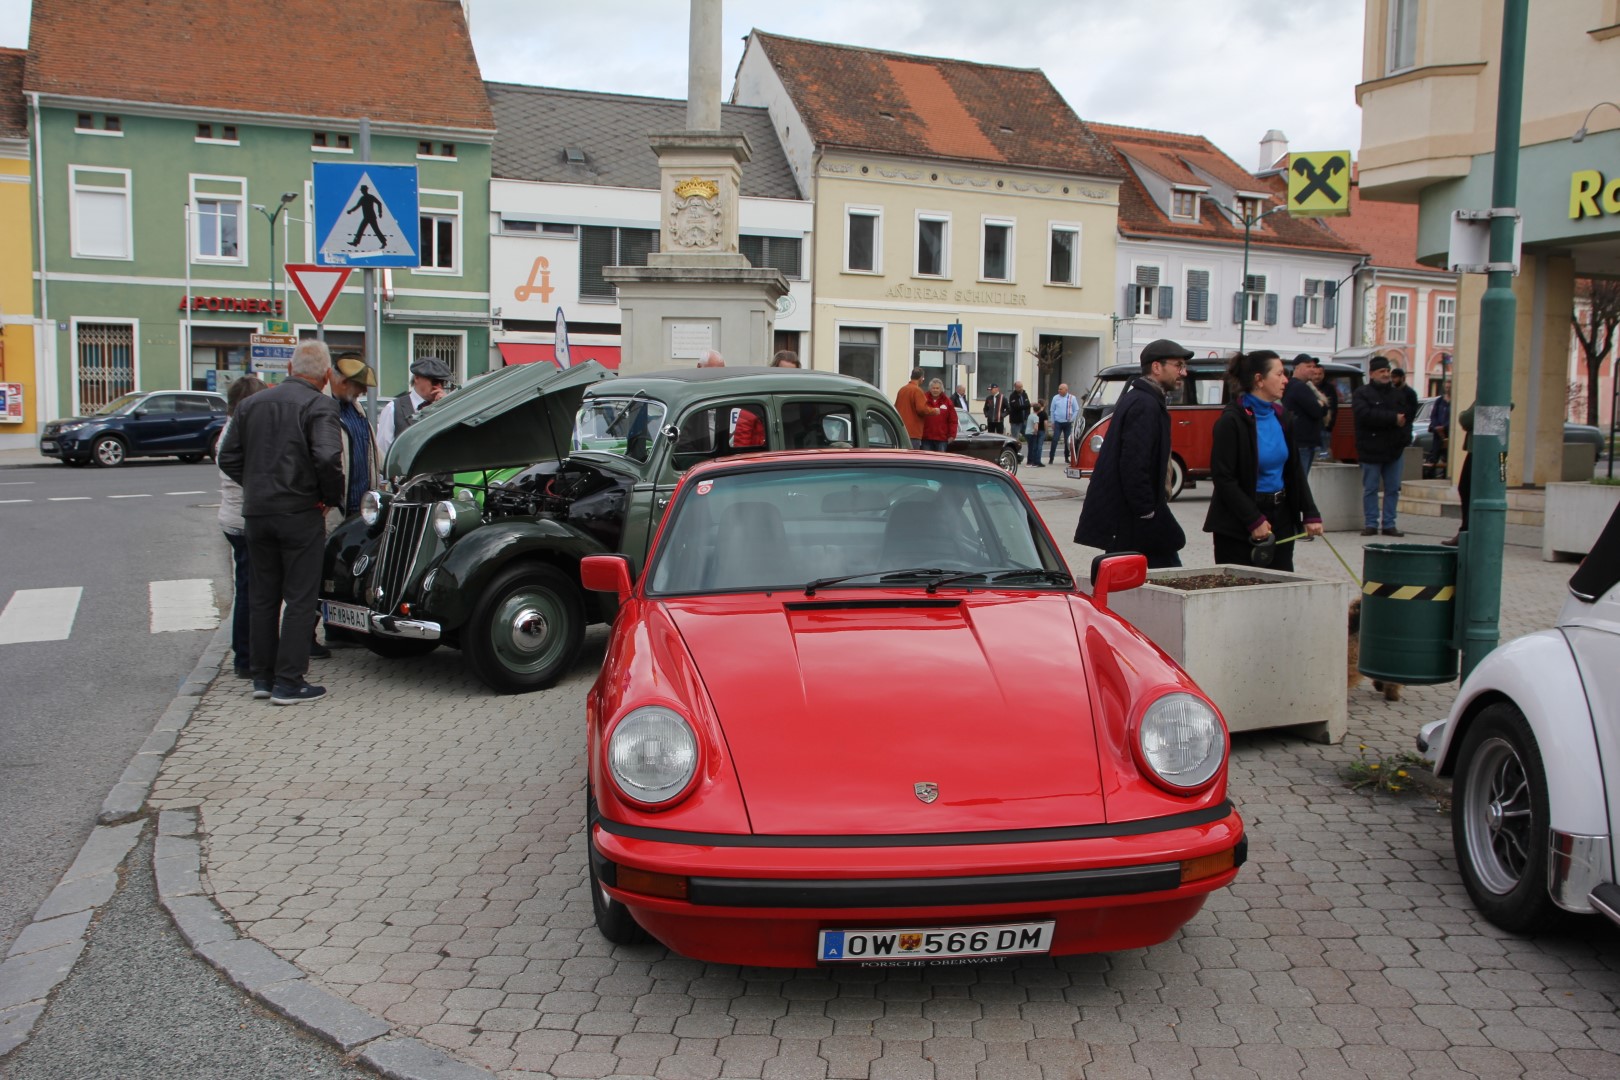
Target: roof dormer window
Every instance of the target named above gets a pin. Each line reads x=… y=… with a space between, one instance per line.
x=1184 y=204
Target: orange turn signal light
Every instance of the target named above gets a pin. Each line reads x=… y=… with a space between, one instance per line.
x=1208 y=865
x=651 y=884
x=404 y=609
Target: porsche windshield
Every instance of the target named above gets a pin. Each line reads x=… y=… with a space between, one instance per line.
x=888 y=525
x=624 y=426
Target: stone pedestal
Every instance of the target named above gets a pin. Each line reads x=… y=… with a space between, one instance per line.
x=671 y=315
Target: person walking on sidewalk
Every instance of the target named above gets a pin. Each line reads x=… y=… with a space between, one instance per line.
x=1127 y=505
x=230 y=523
x=1261 y=491
x=1063 y=410
x=1380 y=440
x=285 y=447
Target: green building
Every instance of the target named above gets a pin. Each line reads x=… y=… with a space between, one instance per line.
x=165 y=136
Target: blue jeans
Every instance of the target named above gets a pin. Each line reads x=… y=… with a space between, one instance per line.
x=916 y=444
x=1060 y=436
x=239 y=610
x=1372 y=476
x=936 y=444
x=1035 y=447
x=1307 y=456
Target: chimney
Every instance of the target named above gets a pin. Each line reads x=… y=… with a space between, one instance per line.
x=1273 y=145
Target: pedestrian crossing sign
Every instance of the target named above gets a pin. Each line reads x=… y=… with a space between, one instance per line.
x=366 y=214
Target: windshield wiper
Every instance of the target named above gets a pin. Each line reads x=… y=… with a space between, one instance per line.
x=1056 y=577
x=883 y=576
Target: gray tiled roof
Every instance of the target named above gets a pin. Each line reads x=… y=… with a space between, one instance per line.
x=535 y=124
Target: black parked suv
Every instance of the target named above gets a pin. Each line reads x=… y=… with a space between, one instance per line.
x=158 y=423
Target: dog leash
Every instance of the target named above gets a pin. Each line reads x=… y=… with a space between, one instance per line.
x=1342 y=563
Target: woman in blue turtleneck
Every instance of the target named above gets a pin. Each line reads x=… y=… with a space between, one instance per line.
x=1260 y=490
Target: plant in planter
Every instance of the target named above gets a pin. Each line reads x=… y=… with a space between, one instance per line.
x=1258 y=641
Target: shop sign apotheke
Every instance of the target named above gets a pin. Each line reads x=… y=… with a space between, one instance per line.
x=247 y=305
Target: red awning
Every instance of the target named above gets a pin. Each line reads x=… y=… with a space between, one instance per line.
x=526 y=352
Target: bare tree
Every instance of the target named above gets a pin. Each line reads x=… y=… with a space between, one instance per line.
x=1047 y=355
x=1596 y=319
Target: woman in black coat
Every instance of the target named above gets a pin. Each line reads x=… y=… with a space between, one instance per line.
x=1260 y=490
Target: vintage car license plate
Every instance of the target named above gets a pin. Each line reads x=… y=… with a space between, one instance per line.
x=346 y=616
x=47 y=444
x=932 y=944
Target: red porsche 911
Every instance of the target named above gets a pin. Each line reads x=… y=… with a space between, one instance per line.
x=854 y=710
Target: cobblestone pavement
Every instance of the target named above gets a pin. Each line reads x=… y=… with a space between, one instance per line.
x=416 y=844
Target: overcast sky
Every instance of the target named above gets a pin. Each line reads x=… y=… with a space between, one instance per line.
x=1227 y=69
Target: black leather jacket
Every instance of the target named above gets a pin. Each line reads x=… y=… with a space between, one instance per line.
x=285 y=447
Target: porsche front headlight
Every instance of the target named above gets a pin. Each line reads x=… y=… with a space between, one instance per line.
x=372 y=504
x=1181 y=741
x=652 y=754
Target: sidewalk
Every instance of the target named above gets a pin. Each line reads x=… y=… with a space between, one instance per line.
x=415 y=844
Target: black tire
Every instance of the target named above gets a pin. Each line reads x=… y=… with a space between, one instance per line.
x=1178 y=478
x=395 y=648
x=613 y=920
x=109 y=452
x=1499 y=821
x=526 y=629
x=191 y=459
x=1009 y=461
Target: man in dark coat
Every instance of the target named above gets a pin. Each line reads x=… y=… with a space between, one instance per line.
x=995 y=409
x=1380 y=439
x=1409 y=401
x=1017 y=409
x=1306 y=410
x=1127 y=505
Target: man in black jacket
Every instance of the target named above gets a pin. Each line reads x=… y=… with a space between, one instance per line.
x=995 y=409
x=1306 y=410
x=1380 y=439
x=1127 y=505
x=1017 y=409
x=1409 y=402
x=285 y=447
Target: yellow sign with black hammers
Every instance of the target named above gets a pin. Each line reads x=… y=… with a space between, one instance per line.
x=1319 y=183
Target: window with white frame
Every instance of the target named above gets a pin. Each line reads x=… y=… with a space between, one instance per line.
x=101 y=224
x=933 y=245
x=859 y=351
x=1401 y=48
x=1146 y=296
x=1198 y=287
x=218 y=210
x=440 y=232
x=1249 y=209
x=996 y=253
x=1184 y=204
x=1445 y=320
x=1063 y=263
x=1312 y=307
x=998 y=358
x=1396 y=309
x=1254 y=305
x=863 y=240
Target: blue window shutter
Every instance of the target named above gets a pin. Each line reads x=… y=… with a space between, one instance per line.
x=1299 y=311
x=1167 y=301
x=1330 y=304
x=1238 y=299
x=1271 y=309
x=1132 y=297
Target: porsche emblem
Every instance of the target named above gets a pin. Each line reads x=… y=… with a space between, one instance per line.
x=926 y=791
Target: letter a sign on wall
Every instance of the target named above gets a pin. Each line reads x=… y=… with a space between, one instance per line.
x=1319 y=184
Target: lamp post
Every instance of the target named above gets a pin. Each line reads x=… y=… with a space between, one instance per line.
x=1249 y=222
x=270 y=216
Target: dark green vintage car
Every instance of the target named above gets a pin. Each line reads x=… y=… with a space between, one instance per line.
x=499 y=490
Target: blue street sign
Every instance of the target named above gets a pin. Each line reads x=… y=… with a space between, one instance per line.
x=366 y=214
x=953 y=337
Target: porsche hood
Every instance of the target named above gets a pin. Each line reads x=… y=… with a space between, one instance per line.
x=923 y=716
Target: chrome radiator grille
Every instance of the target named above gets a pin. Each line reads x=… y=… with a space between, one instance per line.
x=396 y=555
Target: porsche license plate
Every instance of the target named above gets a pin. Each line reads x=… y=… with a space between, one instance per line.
x=932 y=945
x=346 y=616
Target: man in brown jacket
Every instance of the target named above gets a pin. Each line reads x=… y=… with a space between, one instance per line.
x=912 y=405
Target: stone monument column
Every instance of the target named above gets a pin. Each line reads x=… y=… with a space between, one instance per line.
x=697 y=291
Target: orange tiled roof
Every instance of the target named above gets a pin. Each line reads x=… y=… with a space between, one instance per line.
x=396 y=61
x=1194 y=160
x=921 y=106
x=13 y=113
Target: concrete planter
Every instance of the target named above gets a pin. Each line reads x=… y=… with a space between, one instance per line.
x=1575 y=514
x=1337 y=491
x=1268 y=655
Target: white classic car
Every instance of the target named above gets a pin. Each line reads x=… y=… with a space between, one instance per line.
x=1533 y=745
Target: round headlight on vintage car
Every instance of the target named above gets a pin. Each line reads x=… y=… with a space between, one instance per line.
x=1095 y=443
x=372 y=505
x=453 y=516
x=652 y=754
x=1181 y=741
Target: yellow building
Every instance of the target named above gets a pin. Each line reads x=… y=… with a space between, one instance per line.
x=945 y=192
x=19 y=418
x=1430 y=70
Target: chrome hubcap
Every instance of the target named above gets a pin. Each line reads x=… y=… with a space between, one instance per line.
x=529 y=629
x=1498 y=816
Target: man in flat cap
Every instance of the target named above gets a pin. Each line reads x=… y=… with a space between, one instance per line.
x=429 y=377
x=1380 y=442
x=995 y=409
x=350 y=378
x=1305 y=409
x=1127 y=505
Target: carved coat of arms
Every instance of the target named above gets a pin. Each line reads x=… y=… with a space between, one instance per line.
x=694 y=214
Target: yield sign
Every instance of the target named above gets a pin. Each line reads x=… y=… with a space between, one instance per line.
x=318 y=285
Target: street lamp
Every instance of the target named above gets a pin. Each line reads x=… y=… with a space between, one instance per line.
x=1249 y=222
x=270 y=216
x=1580 y=134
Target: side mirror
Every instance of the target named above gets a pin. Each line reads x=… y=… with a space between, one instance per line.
x=1116 y=571
x=611 y=573
x=138 y=413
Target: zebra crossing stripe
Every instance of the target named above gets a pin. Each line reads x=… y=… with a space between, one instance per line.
x=186 y=604
x=39 y=615
x=1438 y=593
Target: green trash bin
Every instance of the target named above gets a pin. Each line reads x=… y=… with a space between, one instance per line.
x=1408 y=608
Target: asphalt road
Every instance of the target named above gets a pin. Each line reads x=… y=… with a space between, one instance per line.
x=73 y=711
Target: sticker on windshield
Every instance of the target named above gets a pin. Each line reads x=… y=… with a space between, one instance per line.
x=704 y=486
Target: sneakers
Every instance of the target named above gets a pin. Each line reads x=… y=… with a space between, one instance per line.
x=242 y=672
x=317 y=651
x=1393 y=532
x=294 y=695
x=1369 y=532
x=261 y=689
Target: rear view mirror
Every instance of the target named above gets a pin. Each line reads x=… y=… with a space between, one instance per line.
x=606 y=573
x=837 y=429
x=1116 y=571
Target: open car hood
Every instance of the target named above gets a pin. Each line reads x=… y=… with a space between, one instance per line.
x=518 y=415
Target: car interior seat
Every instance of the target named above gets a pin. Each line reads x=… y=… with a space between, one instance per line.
x=750 y=547
x=918 y=534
